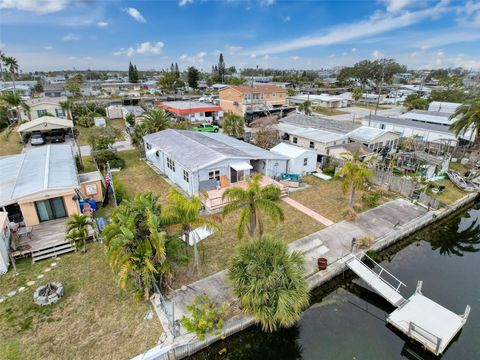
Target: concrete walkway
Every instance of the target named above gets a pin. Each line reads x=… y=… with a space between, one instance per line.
x=122 y=145
x=314 y=215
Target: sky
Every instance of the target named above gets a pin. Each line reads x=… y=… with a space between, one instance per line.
x=107 y=34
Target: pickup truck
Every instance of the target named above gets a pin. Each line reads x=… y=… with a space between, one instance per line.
x=206 y=128
x=56 y=136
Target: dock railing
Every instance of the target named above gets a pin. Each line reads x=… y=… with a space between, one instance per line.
x=383 y=270
x=426 y=337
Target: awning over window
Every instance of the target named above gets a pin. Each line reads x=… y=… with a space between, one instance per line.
x=151 y=151
x=241 y=165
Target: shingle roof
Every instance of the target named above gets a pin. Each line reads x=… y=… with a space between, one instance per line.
x=197 y=150
x=317 y=122
x=48 y=167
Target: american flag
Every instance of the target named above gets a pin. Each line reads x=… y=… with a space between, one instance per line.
x=108 y=178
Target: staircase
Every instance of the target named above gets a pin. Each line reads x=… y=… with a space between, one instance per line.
x=51 y=251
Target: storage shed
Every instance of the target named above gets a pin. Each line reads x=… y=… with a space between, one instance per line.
x=300 y=160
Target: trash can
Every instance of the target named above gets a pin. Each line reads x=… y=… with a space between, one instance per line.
x=322 y=263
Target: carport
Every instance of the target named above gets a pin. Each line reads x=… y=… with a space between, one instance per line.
x=44 y=124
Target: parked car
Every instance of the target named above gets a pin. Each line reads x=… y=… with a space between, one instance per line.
x=206 y=128
x=56 y=136
x=37 y=138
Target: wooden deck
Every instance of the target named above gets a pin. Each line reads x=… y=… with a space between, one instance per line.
x=43 y=236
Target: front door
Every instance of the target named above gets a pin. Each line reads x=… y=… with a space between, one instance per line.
x=50 y=209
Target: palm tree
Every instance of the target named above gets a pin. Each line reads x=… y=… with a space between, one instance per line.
x=136 y=248
x=253 y=200
x=15 y=101
x=355 y=174
x=152 y=121
x=12 y=64
x=357 y=94
x=306 y=107
x=269 y=282
x=67 y=108
x=185 y=212
x=468 y=116
x=77 y=230
x=234 y=125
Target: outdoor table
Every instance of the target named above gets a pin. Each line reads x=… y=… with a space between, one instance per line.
x=25 y=231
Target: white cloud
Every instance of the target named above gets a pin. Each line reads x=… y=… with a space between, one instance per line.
x=378 y=23
x=145 y=48
x=286 y=18
x=134 y=13
x=70 y=37
x=469 y=15
x=296 y=57
x=446 y=37
x=233 y=49
x=184 y=2
x=72 y=58
x=253 y=56
x=2 y=45
x=102 y=24
x=353 y=51
x=267 y=2
x=440 y=53
x=48 y=47
x=377 y=54
x=397 y=5
x=331 y=55
x=194 y=59
x=37 y=6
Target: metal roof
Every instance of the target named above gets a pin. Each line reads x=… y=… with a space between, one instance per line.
x=185 y=105
x=310 y=133
x=197 y=150
x=50 y=167
x=317 y=122
x=411 y=124
x=45 y=122
x=367 y=134
x=290 y=151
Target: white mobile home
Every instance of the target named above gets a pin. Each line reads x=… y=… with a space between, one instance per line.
x=300 y=160
x=197 y=161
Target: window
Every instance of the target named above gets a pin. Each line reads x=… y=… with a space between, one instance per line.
x=149 y=146
x=41 y=112
x=274 y=94
x=382 y=126
x=171 y=164
x=186 y=176
x=295 y=140
x=59 y=112
x=214 y=175
x=157 y=153
x=305 y=161
x=312 y=145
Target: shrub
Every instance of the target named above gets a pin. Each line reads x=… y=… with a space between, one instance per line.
x=371 y=198
x=121 y=192
x=270 y=282
x=78 y=163
x=206 y=317
x=103 y=156
x=85 y=121
x=365 y=242
x=350 y=214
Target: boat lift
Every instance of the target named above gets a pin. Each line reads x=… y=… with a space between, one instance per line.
x=418 y=317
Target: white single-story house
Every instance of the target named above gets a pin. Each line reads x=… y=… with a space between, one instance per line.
x=426 y=131
x=373 y=138
x=198 y=162
x=322 y=100
x=44 y=105
x=121 y=111
x=300 y=160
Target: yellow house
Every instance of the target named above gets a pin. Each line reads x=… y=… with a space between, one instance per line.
x=38 y=107
x=42 y=184
x=240 y=98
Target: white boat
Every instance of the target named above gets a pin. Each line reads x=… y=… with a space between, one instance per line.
x=460 y=182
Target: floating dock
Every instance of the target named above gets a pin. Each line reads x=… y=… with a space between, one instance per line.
x=419 y=317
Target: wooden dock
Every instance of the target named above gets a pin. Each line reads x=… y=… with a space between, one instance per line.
x=419 y=317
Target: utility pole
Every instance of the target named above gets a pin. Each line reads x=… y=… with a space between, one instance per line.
x=380 y=87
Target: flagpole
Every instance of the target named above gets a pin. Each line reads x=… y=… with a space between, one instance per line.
x=109 y=173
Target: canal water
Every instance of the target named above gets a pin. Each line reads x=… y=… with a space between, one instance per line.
x=347 y=321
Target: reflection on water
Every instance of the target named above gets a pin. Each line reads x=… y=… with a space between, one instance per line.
x=348 y=321
x=466 y=237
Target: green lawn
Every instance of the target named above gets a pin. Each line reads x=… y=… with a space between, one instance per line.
x=328 y=199
x=94 y=320
x=328 y=111
x=451 y=194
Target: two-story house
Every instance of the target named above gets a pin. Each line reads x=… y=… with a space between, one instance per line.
x=239 y=99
